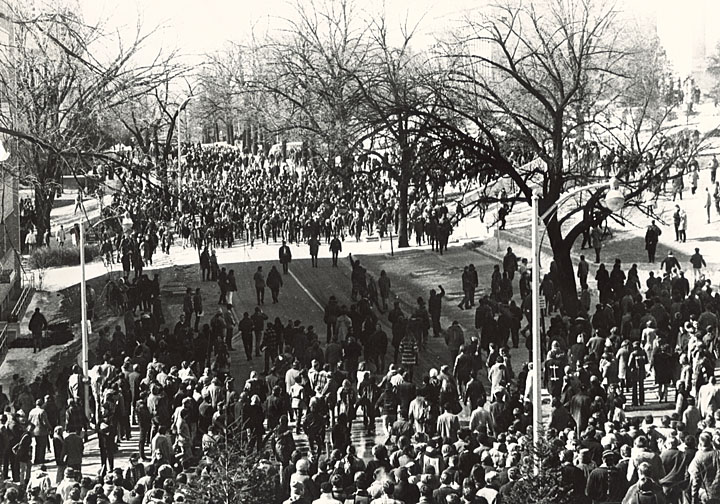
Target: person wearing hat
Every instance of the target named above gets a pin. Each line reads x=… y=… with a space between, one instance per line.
x=606 y=484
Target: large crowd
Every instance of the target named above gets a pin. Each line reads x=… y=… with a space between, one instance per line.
x=459 y=432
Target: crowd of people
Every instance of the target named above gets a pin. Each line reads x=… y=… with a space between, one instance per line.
x=457 y=432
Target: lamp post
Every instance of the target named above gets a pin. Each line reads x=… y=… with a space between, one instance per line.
x=614 y=200
x=179 y=156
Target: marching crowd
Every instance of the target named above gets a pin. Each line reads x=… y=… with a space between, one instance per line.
x=460 y=432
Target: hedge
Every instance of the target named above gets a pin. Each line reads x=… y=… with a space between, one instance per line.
x=49 y=257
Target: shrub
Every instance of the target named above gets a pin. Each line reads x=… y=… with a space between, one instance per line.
x=49 y=257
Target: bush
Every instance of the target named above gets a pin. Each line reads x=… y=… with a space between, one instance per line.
x=49 y=257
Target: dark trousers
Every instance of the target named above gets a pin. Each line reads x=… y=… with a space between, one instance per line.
x=258 y=340
x=597 y=255
x=275 y=295
x=10 y=465
x=583 y=281
x=313 y=259
x=40 y=448
x=260 y=292
x=436 y=326
x=331 y=329
x=515 y=334
x=651 y=247
x=247 y=339
x=37 y=341
x=197 y=321
x=334 y=259
x=143 y=440
x=270 y=354
x=286 y=267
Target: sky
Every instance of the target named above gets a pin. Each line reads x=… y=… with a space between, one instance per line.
x=201 y=26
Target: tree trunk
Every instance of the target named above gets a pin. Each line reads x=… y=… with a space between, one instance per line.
x=402 y=231
x=44 y=199
x=566 y=278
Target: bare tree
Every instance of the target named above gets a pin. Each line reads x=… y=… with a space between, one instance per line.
x=64 y=78
x=546 y=77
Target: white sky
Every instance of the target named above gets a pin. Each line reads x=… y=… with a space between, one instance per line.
x=199 y=27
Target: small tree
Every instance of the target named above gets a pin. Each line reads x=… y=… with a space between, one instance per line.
x=234 y=476
x=539 y=487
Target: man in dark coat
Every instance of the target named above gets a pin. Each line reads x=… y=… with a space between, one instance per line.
x=606 y=484
x=510 y=263
x=652 y=236
x=37 y=325
x=435 y=309
x=285 y=257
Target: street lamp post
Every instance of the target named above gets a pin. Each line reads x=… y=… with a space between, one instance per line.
x=614 y=200
x=179 y=156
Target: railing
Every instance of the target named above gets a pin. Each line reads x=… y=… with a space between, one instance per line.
x=21 y=303
x=3 y=342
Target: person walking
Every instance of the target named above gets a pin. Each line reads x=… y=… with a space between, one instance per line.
x=698 y=263
x=274 y=282
x=245 y=326
x=259 y=279
x=708 y=203
x=40 y=429
x=435 y=309
x=38 y=323
x=314 y=245
x=258 y=319
x=652 y=236
x=285 y=257
x=510 y=263
x=583 y=270
x=335 y=249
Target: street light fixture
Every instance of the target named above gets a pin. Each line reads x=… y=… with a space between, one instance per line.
x=614 y=201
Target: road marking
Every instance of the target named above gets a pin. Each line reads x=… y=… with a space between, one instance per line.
x=306 y=291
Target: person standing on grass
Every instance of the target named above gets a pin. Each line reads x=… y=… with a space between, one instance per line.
x=38 y=323
x=510 y=263
x=435 y=309
x=698 y=263
x=62 y=235
x=652 y=236
x=708 y=203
